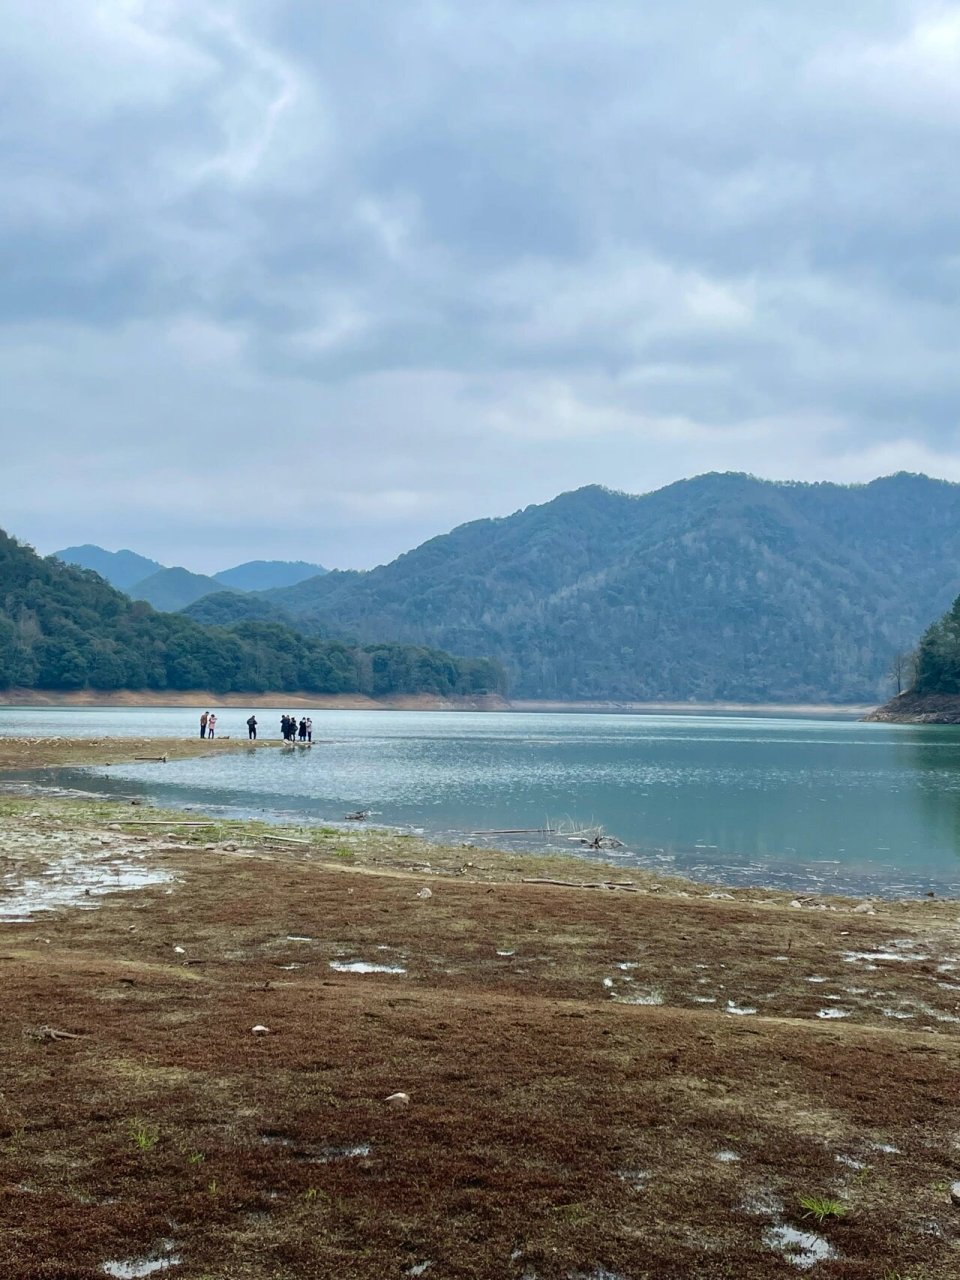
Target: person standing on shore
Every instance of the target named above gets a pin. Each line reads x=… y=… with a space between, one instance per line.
x=303 y=729
x=252 y=728
x=211 y=725
x=309 y=723
x=203 y=724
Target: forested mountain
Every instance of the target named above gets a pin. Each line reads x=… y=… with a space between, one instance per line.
x=122 y=569
x=264 y=575
x=937 y=660
x=174 y=588
x=66 y=628
x=720 y=587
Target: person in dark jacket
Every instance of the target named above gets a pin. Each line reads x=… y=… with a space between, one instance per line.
x=252 y=728
x=203 y=725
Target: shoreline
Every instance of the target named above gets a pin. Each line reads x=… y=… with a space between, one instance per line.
x=26 y=755
x=200 y=699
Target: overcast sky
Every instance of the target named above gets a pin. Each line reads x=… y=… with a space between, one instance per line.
x=322 y=278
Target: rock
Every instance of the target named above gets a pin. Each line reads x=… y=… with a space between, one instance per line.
x=425 y=893
x=209 y=848
x=398 y=1100
x=260 y=1030
x=864 y=909
x=230 y=848
x=180 y=951
x=796 y=904
x=955 y=1192
x=727 y=896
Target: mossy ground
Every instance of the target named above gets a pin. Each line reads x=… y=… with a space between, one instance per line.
x=571 y=1088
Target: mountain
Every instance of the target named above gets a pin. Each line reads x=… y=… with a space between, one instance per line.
x=723 y=587
x=63 y=627
x=263 y=575
x=173 y=589
x=120 y=568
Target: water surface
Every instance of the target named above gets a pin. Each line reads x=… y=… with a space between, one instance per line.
x=803 y=803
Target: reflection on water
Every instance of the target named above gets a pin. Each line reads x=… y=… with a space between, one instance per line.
x=802 y=803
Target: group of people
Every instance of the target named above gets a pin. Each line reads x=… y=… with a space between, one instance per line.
x=291 y=730
x=289 y=727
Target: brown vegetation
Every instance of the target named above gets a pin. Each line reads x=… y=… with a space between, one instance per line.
x=556 y=1126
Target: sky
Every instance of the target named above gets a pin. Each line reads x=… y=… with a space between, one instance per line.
x=322 y=280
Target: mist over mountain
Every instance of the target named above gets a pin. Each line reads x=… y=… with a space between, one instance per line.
x=723 y=587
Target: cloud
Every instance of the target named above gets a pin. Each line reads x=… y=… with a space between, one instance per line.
x=321 y=281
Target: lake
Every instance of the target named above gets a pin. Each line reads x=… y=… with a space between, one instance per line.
x=808 y=804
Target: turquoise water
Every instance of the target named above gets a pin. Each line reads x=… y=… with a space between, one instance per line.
x=807 y=804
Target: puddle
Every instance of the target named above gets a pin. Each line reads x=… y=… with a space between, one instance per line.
x=815 y=979
x=704 y=999
x=638 y=1179
x=160 y=1259
x=886 y=1148
x=726 y=1157
x=804 y=1249
x=74 y=882
x=363 y=966
x=506 y=953
x=640 y=997
x=742 y=1010
x=419 y=1268
x=299 y=937
x=833 y=1013
x=897 y=1013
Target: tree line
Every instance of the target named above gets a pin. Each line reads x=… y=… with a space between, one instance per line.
x=65 y=628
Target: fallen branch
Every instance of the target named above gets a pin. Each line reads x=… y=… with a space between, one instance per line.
x=628 y=885
x=285 y=840
x=50 y=1033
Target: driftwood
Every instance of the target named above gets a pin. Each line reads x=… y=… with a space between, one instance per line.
x=155 y=759
x=516 y=831
x=50 y=1033
x=284 y=840
x=627 y=885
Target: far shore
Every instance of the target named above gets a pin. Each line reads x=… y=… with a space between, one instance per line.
x=204 y=699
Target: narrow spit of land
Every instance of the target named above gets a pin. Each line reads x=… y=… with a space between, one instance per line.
x=655 y=1081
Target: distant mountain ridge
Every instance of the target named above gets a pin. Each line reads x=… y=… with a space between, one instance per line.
x=171 y=589
x=723 y=587
x=65 y=628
